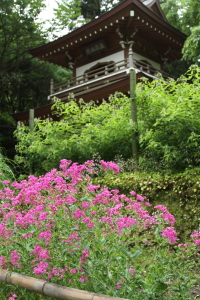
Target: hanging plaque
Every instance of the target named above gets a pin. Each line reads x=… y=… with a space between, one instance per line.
x=95 y=48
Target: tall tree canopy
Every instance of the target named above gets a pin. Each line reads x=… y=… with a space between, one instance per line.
x=18 y=33
x=185 y=15
x=74 y=13
x=24 y=82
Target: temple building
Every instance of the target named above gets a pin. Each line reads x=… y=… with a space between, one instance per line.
x=134 y=34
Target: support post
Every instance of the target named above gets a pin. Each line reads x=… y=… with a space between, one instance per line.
x=51 y=87
x=31 y=120
x=133 y=104
x=31 y=126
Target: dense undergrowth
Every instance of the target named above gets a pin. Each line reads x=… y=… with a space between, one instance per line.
x=62 y=228
x=168 y=129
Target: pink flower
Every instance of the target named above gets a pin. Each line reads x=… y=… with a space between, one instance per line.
x=109 y=165
x=82 y=279
x=195 y=234
x=170 y=234
x=118 y=286
x=15 y=256
x=73 y=271
x=183 y=245
x=85 y=204
x=37 y=249
x=86 y=220
x=44 y=254
x=168 y=218
x=162 y=208
x=26 y=235
x=133 y=193
x=140 y=198
x=78 y=214
x=92 y=188
x=12 y=297
x=132 y=271
x=197 y=242
x=6 y=182
x=90 y=225
x=41 y=268
x=46 y=235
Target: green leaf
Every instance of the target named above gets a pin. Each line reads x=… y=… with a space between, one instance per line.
x=125 y=252
x=134 y=255
x=161 y=286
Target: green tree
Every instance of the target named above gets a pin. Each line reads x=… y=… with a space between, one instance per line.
x=24 y=82
x=18 y=33
x=74 y=13
x=185 y=15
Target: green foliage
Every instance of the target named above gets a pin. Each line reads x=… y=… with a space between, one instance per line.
x=84 y=129
x=24 y=82
x=168 y=128
x=74 y=13
x=191 y=49
x=169 y=124
x=5 y=169
x=180 y=193
x=185 y=15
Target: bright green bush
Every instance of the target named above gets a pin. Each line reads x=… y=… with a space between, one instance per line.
x=84 y=129
x=169 y=123
x=168 y=128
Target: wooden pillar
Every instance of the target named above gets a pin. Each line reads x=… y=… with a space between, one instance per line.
x=51 y=87
x=133 y=104
x=31 y=126
x=31 y=120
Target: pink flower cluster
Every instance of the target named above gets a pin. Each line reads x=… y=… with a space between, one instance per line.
x=109 y=165
x=167 y=217
x=13 y=297
x=59 y=215
x=196 y=234
x=170 y=234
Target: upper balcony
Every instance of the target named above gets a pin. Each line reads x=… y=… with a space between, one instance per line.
x=96 y=84
x=104 y=77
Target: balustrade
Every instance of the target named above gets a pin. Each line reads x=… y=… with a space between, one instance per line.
x=106 y=71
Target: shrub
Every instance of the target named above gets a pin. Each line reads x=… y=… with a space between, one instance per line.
x=168 y=129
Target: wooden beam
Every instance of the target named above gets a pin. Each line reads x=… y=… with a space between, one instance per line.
x=49 y=289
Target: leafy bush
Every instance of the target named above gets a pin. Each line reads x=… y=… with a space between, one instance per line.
x=169 y=123
x=84 y=128
x=62 y=228
x=168 y=128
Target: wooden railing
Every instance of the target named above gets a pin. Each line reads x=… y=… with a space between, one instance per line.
x=92 y=75
x=104 y=72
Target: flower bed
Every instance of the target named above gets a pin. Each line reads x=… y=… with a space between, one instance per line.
x=61 y=228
